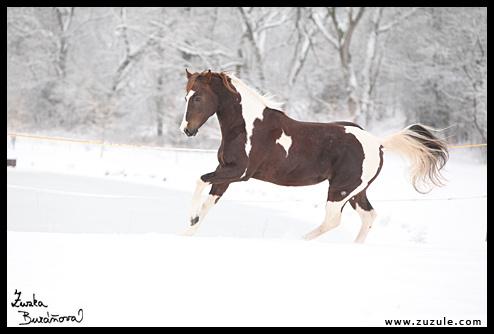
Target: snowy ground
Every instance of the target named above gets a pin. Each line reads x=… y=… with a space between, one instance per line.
x=100 y=234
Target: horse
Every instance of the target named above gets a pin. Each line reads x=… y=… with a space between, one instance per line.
x=260 y=141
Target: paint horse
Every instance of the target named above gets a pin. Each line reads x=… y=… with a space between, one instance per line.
x=260 y=141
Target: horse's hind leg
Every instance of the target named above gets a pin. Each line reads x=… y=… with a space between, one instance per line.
x=337 y=199
x=197 y=216
x=361 y=204
x=340 y=191
x=332 y=219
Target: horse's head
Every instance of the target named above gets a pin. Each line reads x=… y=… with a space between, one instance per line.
x=201 y=102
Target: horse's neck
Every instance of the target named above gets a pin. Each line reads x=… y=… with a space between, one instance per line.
x=230 y=117
x=239 y=111
x=230 y=111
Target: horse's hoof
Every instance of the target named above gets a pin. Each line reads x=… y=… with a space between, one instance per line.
x=308 y=237
x=194 y=221
x=187 y=233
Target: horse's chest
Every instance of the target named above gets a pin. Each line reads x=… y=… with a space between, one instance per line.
x=231 y=152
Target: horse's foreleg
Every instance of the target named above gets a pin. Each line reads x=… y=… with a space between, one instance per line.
x=220 y=180
x=222 y=175
x=217 y=190
x=195 y=201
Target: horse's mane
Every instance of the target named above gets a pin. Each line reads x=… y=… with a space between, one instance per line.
x=204 y=75
x=266 y=100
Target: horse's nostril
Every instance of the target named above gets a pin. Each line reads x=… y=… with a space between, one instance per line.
x=190 y=133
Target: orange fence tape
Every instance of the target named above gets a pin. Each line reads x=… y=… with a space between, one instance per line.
x=110 y=144
x=161 y=148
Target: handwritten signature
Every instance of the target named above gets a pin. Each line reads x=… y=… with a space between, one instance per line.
x=19 y=303
x=48 y=319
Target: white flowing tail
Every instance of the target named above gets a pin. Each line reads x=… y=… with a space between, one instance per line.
x=427 y=153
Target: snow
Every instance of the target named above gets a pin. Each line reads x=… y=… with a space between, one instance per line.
x=100 y=233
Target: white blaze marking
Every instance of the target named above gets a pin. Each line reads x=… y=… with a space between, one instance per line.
x=285 y=142
x=184 y=122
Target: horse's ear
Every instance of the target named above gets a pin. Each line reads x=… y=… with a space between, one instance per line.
x=208 y=77
x=188 y=74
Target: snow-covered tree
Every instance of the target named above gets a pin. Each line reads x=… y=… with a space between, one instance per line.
x=120 y=71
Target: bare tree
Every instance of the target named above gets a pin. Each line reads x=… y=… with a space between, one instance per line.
x=129 y=56
x=366 y=64
x=64 y=19
x=337 y=28
x=305 y=33
x=257 y=23
x=375 y=48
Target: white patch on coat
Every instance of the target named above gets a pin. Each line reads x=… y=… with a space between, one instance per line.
x=372 y=157
x=183 y=126
x=253 y=105
x=285 y=141
x=370 y=165
x=252 y=109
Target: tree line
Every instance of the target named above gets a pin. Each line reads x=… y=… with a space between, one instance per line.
x=118 y=73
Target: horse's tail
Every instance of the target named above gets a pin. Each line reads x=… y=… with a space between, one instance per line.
x=427 y=153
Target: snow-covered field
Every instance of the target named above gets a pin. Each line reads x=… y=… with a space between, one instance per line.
x=100 y=233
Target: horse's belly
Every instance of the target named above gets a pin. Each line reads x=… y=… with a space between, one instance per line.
x=292 y=175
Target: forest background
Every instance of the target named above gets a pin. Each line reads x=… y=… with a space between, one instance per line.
x=118 y=74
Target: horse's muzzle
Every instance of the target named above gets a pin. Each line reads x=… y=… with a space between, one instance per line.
x=190 y=133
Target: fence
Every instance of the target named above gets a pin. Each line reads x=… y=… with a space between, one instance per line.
x=11 y=162
x=162 y=148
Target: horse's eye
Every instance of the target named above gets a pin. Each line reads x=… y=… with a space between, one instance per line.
x=197 y=99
